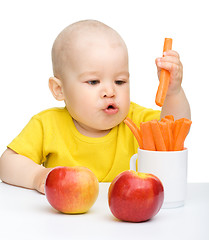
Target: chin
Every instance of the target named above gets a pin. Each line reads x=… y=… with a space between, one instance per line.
x=99 y=122
x=111 y=124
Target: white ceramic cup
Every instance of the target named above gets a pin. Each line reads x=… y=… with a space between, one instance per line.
x=170 y=167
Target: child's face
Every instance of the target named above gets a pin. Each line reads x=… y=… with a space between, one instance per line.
x=96 y=84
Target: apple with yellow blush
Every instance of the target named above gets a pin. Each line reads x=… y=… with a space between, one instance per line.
x=71 y=190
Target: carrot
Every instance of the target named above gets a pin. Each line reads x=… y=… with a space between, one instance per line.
x=169 y=120
x=164 y=77
x=170 y=135
x=157 y=135
x=184 y=130
x=135 y=130
x=177 y=127
x=170 y=117
x=165 y=133
x=147 y=137
x=164 y=120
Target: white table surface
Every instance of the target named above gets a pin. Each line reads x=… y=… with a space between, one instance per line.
x=26 y=215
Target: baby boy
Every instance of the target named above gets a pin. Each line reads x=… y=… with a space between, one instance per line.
x=91 y=75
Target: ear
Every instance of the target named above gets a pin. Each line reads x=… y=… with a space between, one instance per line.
x=56 y=88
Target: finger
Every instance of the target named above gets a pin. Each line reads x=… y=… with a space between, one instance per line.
x=166 y=61
x=170 y=59
x=171 y=53
x=170 y=66
x=158 y=68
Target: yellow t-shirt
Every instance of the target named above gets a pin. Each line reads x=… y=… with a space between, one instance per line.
x=51 y=138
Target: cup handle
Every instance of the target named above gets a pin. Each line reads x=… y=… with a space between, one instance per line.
x=133 y=162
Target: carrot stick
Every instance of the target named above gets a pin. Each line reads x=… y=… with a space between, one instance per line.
x=165 y=133
x=164 y=120
x=184 y=130
x=170 y=117
x=147 y=137
x=158 y=138
x=177 y=127
x=167 y=118
x=170 y=135
x=164 y=77
x=135 y=130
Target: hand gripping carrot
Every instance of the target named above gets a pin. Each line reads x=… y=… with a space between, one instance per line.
x=135 y=130
x=164 y=77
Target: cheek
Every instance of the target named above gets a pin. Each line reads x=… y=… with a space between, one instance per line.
x=125 y=97
x=87 y=98
x=71 y=97
x=79 y=100
x=125 y=102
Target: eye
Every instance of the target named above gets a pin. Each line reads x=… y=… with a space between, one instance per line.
x=93 y=82
x=119 y=82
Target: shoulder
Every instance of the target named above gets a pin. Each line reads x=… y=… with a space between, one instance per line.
x=135 y=107
x=56 y=111
x=52 y=114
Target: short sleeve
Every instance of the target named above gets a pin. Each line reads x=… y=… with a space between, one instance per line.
x=30 y=141
x=148 y=114
x=141 y=114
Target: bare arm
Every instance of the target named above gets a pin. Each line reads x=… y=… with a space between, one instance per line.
x=177 y=105
x=21 y=171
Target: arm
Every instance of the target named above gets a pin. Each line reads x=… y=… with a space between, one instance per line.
x=176 y=102
x=177 y=105
x=21 y=171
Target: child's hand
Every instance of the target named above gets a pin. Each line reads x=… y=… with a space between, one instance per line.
x=171 y=62
x=40 y=179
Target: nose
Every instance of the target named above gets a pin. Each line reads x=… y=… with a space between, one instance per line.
x=108 y=91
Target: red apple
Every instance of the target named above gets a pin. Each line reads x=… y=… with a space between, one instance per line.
x=135 y=196
x=71 y=189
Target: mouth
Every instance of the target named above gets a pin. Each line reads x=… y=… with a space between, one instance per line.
x=111 y=109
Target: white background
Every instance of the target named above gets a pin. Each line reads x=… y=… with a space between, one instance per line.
x=27 y=32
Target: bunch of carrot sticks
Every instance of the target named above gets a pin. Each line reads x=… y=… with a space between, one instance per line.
x=164 y=135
